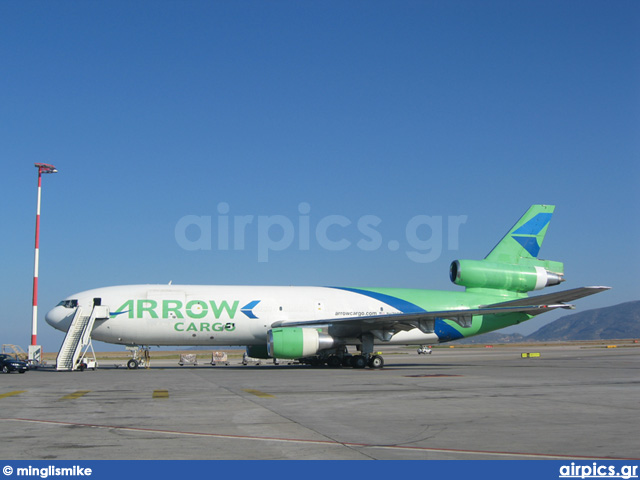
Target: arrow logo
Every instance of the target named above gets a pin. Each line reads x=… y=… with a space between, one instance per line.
x=248 y=309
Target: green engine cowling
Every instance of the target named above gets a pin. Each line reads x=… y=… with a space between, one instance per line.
x=296 y=342
x=503 y=276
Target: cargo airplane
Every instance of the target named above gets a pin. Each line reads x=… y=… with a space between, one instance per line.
x=316 y=325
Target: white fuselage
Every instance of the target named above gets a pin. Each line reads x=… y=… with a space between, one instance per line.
x=216 y=315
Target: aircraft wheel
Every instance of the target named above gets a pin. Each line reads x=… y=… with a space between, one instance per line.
x=334 y=361
x=376 y=362
x=132 y=364
x=358 y=361
x=316 y=362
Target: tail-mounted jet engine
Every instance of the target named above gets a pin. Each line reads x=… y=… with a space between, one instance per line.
x=503 y=276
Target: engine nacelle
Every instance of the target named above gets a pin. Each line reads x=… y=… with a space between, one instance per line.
x=296 y=342
x=502 y=276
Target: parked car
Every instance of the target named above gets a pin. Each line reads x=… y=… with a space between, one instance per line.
x=9 y=363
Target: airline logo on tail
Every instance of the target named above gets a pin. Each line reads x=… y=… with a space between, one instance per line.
x=527 y=234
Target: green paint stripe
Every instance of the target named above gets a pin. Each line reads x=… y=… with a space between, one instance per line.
x=74 y=395
x=11 y=394
x=161 y=394
x=258 y=393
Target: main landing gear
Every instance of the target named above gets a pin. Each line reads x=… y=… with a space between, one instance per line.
x=367 y=360
x=345 y=360
x=340 y=357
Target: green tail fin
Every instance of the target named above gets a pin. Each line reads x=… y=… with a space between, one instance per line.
x=525 y=238
x=512 y=267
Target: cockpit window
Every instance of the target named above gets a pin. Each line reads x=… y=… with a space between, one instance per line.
x=68 y=303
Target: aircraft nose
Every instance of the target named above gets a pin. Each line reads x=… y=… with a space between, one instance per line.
x=55 y=316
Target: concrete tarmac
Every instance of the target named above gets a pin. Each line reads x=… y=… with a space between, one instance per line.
x=461 y=403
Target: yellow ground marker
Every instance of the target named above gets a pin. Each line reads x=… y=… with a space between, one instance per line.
x=74 y=395
x=258 y=393
x=11 y=394
x=612 y=346
x=161 y=394
x=527 y=355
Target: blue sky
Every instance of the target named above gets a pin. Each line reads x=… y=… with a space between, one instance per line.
x=306 y=113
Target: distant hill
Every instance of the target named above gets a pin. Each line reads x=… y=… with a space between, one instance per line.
x=618 y=321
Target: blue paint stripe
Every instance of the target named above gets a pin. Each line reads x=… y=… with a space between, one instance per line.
x=446 y=332
x=530 y=244
x=535 y=225
x=395 y=302
x=442 y=329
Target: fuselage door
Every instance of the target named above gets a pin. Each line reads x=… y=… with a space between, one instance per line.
x=169 y=303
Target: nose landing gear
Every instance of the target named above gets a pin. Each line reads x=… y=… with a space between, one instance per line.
x=141 y=358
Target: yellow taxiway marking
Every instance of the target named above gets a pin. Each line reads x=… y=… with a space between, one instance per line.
x=74 y=395
x=11 y=394
x=161 y=394
x=257 y=393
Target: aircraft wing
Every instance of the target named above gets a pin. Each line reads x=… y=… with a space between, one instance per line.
x=553 y=298
x=385 y=326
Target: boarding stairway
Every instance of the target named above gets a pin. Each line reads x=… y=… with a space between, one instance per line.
x=78 y=338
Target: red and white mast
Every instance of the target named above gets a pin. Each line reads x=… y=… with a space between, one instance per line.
x=42 y=168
